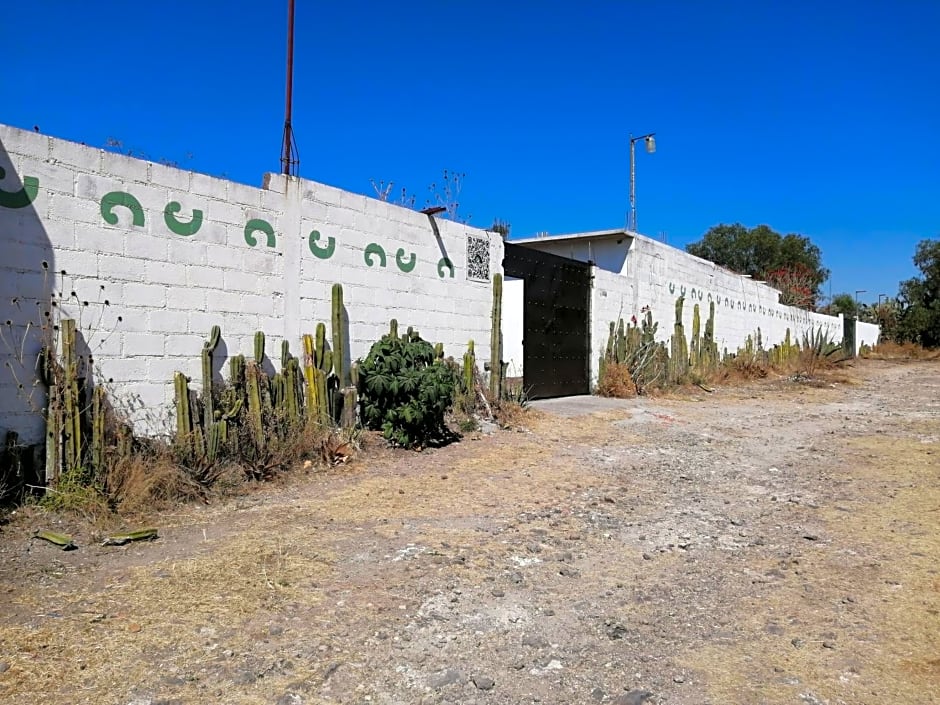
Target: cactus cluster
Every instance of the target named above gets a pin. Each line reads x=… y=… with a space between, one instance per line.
x=651 y=363
x=678 y=347
x=76 y=415
x=304 y=390
x=784 y=352
x=703 y=350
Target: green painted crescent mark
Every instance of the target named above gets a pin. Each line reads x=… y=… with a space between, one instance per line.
x=257 y=225
x=374 y=249
x=121 y=198
x=402 y=264
x=445 y=263
x=318 y=250
x=21 y=198
x=181 y=228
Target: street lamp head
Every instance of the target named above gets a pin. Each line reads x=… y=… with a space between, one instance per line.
x=650 y=144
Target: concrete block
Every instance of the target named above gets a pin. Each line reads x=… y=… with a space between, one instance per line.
x=263 y=262
x=26 y=258
x=183 y=344
x=163 y=368
x=27 y=287
x=209 y=186
x=187 y=251
x=226 y=256
x=151 y=296
x=218 y=300
x=94 y=186
x=209 y=233
x=244 y=325
x=177 y=181
x=162 y=272
x=131 y=369
x=121 y=268
x=95 y=238
x=53 y=178
x=201 y=322
x=338 y=217
x=247 y=196
x=274 y=183
x=27 y=144
x=353 y=201
x=23 y=228
x=237 y=281
x=137 y=344
x=85 y=159
x=261 y=305
x=149 y=246
x=69 y=209
x=75 y=263
x=169 y=321
x=125 y=169
x=204 y=277
x=328 y=195
x=225 y=212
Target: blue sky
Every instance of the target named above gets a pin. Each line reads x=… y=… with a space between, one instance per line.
x=821 y=118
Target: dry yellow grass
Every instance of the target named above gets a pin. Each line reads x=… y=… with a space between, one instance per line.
x=109 y=636
x=880 y=573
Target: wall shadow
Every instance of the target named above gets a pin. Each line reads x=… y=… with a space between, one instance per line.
x=27 y=285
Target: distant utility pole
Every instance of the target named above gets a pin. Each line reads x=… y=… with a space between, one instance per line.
x=290 y=158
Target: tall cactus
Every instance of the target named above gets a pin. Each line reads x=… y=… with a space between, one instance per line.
x=259 y=347
x=496 y=322
x=71 y=398
x=98 y=403
x=679 y=354
x=620 y=346
x=208 y=403
x=184 y=422
x=340 y=344
x=469 y=363
x=318 y=363
x=254 y=382
x=55 y=420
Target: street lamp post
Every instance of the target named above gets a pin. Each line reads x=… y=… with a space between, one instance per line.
x=880 y=297
x=650 y=148
x=857 y=292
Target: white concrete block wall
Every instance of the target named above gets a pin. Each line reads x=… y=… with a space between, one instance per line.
x=866 y=334
x=661 y=274
x=165 y=291
x=635 y=272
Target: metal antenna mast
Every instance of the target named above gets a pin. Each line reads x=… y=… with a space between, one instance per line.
x=290 y=157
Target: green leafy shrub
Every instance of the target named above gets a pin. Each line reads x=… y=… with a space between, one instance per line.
x=406 y=389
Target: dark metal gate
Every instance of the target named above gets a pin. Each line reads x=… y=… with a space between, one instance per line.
x=556 y=319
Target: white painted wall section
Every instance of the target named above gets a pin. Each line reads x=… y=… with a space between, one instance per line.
x=512 y=321
x=165 y=290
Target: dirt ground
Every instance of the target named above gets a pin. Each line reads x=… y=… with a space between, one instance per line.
x=776 y=543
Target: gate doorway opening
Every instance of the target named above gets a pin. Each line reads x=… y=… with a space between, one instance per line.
x=556 y=322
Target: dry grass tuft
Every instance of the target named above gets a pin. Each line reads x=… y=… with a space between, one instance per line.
x=616 y=382
x=513 y=415
x=902 y=351
x=744 y=367
x=149 y=482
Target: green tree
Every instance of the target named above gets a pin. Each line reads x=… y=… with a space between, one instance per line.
x=791 y=262
x=919 y=298
x=842 y=303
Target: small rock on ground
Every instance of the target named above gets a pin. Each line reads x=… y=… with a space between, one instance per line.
x=634 y=697
x=483 y=682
